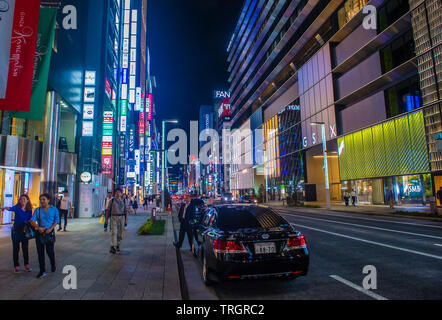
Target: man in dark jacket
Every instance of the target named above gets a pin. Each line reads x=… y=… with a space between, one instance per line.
x=185 y=216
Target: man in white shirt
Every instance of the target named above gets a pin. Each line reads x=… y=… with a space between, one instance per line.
x=65 y=208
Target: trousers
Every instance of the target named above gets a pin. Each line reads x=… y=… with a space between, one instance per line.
x=117 y=230
x=16 y=249
x=50 y=251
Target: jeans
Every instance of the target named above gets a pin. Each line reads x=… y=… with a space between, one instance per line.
x=50 y=251
x=64 y=214
x=16 y=249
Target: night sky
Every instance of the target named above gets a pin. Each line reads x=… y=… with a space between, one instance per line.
x=188 y=42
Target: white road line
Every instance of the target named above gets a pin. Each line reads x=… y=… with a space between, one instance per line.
x=360 y=289
x=369 y=219
x=372 y=242
x=364 y=226
x=437 y=244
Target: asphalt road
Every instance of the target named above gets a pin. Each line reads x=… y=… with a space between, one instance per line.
x=406 y=253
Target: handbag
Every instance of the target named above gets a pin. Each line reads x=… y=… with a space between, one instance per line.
x=45 y=238
x=29 y=231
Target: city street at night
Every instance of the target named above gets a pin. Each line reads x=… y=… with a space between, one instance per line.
x=215 y=159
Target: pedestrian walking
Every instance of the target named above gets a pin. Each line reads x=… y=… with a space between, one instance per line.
x=117 y=211
x=146 y=203
x=44 y=221
x=65 y=209
x=106 y=202
x=391 y=199
x=135 y=205
x=354 y=198
x=23 y=214
x=346 y=198
x=185 y=217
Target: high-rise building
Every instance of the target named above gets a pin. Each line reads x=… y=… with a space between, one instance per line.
x=364 y=69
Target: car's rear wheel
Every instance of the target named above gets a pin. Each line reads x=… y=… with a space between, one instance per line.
x=206 y=272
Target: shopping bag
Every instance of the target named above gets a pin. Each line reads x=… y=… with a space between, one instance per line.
x=102 y=219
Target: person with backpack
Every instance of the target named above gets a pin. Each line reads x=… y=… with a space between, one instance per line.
x=117 y=211
x=44 y=221
x=23 y=213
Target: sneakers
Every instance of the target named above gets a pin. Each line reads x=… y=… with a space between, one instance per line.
x=113 y=250
x=117 y=249
x=41 y=275
x=16 y=270
x=28 y=268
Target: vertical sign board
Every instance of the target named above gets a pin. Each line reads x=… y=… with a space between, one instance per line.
x=131 y=144
x=108 y=89
x=138 y=99
x=89 y=103
x=107 y=144
x=137 y=161
x=149 y=105
x=18 y=41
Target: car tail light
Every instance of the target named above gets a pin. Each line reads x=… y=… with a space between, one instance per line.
x=296 y=243
x=223 y=246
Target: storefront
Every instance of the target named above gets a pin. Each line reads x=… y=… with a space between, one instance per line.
x=409 y=189
x=391 y=156
x=20 y=172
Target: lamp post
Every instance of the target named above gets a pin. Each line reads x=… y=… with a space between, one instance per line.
x=265 y=175
x=324 y=151
x=163 y=166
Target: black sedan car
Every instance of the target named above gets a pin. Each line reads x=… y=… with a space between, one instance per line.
x=248 y=241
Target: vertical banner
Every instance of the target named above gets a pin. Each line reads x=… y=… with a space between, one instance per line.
x=6 y=20
x=42 y=61
x=22 y=52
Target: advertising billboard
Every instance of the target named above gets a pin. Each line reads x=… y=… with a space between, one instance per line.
x=18 y=41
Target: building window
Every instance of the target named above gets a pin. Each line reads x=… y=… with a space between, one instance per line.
x=403 y=97
x=349 y=10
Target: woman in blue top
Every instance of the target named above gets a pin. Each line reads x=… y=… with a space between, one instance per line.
x=23 y=214
x=44 y=220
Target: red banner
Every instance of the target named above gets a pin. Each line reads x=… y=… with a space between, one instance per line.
x=22 y=56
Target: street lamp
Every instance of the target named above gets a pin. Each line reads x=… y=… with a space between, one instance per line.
x=324 y=151
x=163 y=161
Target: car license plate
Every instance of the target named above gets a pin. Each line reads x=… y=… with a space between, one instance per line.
x=266 y=247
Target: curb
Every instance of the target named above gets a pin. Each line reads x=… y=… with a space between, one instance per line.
x=183 y=283
x=294 y=209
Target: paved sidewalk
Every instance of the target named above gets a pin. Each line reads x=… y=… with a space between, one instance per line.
x=196 y=289
x=146 y=268
x=383 y=210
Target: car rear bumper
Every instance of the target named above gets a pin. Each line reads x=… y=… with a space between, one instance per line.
x=277 y=267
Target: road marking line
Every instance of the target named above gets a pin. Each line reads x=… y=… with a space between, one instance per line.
x=360 y=289
x=364 y=226
x=372 y=242
x=437 y=244
x=381 y=220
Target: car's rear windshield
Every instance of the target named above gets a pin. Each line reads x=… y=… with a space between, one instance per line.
x=242 y=218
